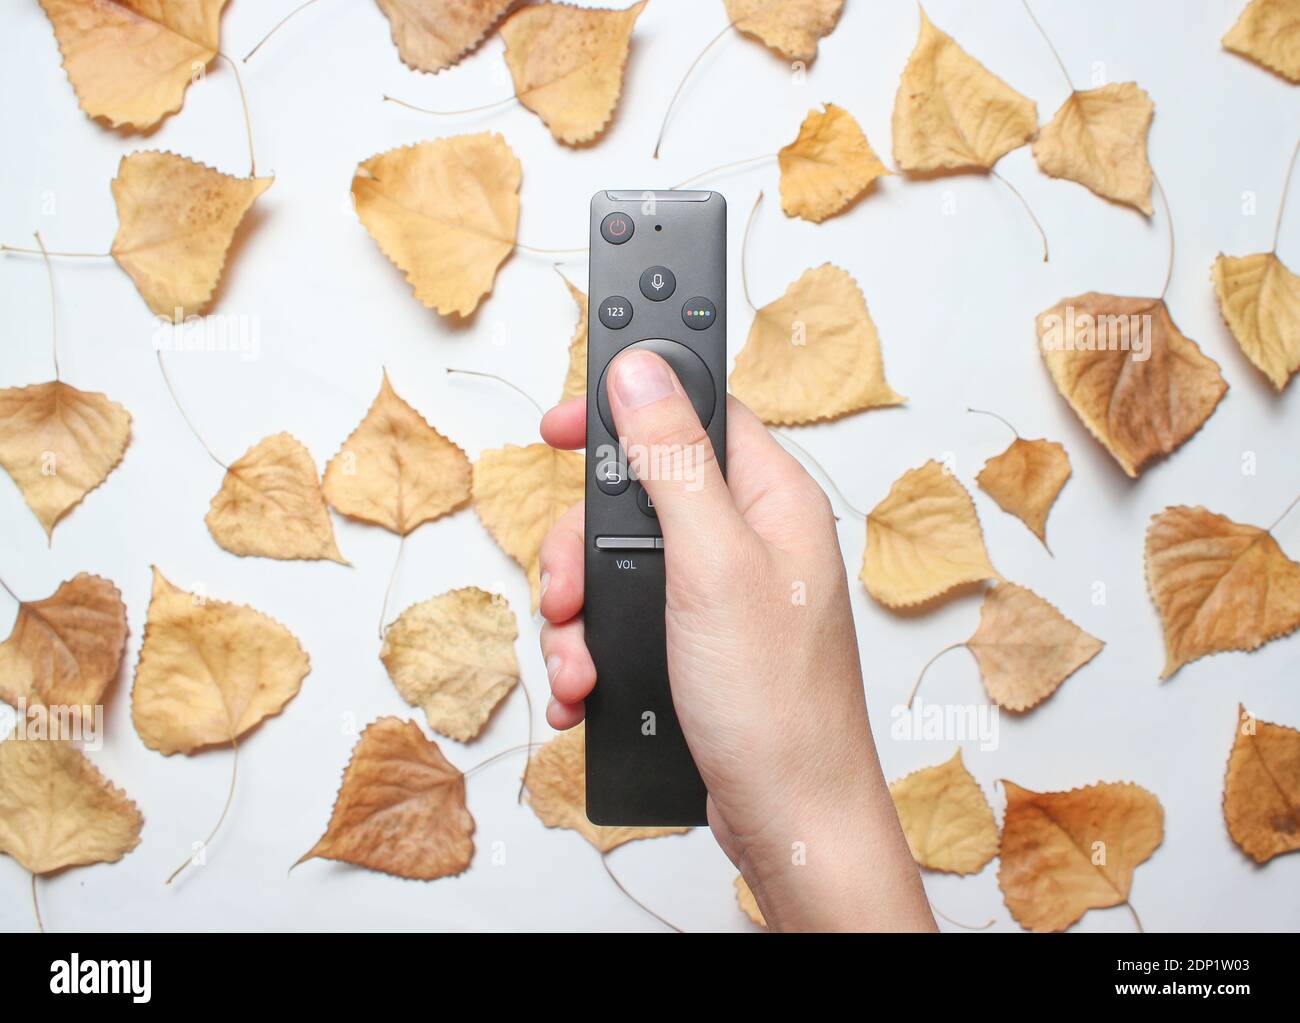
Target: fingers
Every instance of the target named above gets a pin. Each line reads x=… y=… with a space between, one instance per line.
x=562 y=567
x=565 y=426
x=570 y=670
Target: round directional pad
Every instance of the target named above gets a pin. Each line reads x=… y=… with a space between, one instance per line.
x=690 y=370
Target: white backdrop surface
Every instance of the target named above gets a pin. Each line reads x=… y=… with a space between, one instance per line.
x=952 y=274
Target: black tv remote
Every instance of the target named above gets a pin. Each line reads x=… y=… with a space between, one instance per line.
x=658 y=281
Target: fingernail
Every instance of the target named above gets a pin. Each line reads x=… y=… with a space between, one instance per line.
x=546 y=581
x=553 y=667
x=640 y=378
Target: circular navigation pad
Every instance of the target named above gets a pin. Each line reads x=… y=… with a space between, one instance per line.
x=690 y=370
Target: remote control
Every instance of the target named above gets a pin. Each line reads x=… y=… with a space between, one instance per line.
x=658 y=281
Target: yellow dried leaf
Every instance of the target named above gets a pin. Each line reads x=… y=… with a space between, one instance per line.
x=1261 y=794
x=454 y=656
x=828 y=166
x=556 y=781
x=270 y=505
x=1268 y=32
x=395 y=470
x=790 y=27
x=1099 y=139
x=952 y=113
x=947 y=820
x=519 y=493
x=209 y=671
x=1064 y=853
x=575 y=379
x=434 y=34
x=813 y=354
x=1026 y=648
x=66 y=649
x=746 y=901
x=401 y=807
x=176 y=220
x=57 y=810
x=59 y=443
x=1218 y=585
x=445 y=212
x=1260 y=301
x=567 y=64
x=923 y=539
x=1025 y=479
x=129 y=61
x=1140 y=386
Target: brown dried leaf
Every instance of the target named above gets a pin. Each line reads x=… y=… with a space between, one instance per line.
x=209 y=671
x=575 y=380
x=1261 y=794
x=828 y=166
x=946 y=818
x=746 y=901
x=1025 y=480
x=1143 y=388
x=790 y=27
x=66 y=649
x=952 y=113
x=395 y=470
x=1064 y=853
x=434 y=34
x=401 y=807
x=1218 y=585
x=923 y=539
x=1260 y=301
x=445 y=212
x=813 y=354
x=176 y=220
x=556 y=781
x=1099 y=139
x=59 y=443
x=131 y=61
x=519 y=493
x=270 y=505
x=1268 y=32
x=567 y=64
x=454 y=656
x=57 y=810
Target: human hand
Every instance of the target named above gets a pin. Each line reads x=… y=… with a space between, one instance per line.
x=762 y=657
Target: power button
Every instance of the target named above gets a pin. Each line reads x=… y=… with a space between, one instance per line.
x=616 y=228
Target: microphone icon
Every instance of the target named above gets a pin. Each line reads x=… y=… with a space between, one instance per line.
x=657 y=281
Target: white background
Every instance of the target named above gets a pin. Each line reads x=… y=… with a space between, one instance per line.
x=953 y=296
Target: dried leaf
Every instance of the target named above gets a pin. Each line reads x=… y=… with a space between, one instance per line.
x=575 y=380
x=519 y=493
x=434 y=34
x=1218 y=585
x=66 y=649
x=130 y=62
x=1140 y=386
x=1260 y=301
x=947 y=820
x=567 y=64
x=445 y=212
x=176 y=220
x=395 y=470
x=952 y=113
x=57 y=810
x=556 y=781
x=59 y=443
x=401 y=807
x=790 y=27
x=1099 y=139
x=828 y=166
x=813 y=354
x=746 y=901
x=454 y=656
x=1025 y=480
x=1268 y=32
x=1261 y=794
x=270 y=505
x=923 y=539
x=1064 y=853
x=1026 y=648
x=209 y=671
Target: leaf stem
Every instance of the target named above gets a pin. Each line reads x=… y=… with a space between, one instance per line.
x=392 y=578
x=1286 y=187
x=248 y=120
x=17 y=599
x=821 y=469
x=301 y=7
x=230 y=798
x=1136 y=919
x=528 y=704
x=54 y=305
x=744 y=252
x=500 y=379
x=958 y=923
x=663 y=127
x=450 y=113
x=1047 y=39
x=951 y=646
x=982 y=412
x=47 y=253
x=1016 y=192
x=534 y=248
x=167 y=380
x=36 y=907
x=604 y=860
x=722 y=167
x=1289 y=508
x=499 y=756
x=1169 y=221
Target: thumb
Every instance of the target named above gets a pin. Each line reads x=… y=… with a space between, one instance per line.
x=669 y=450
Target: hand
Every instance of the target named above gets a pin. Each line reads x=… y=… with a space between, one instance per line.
x=762 y=657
